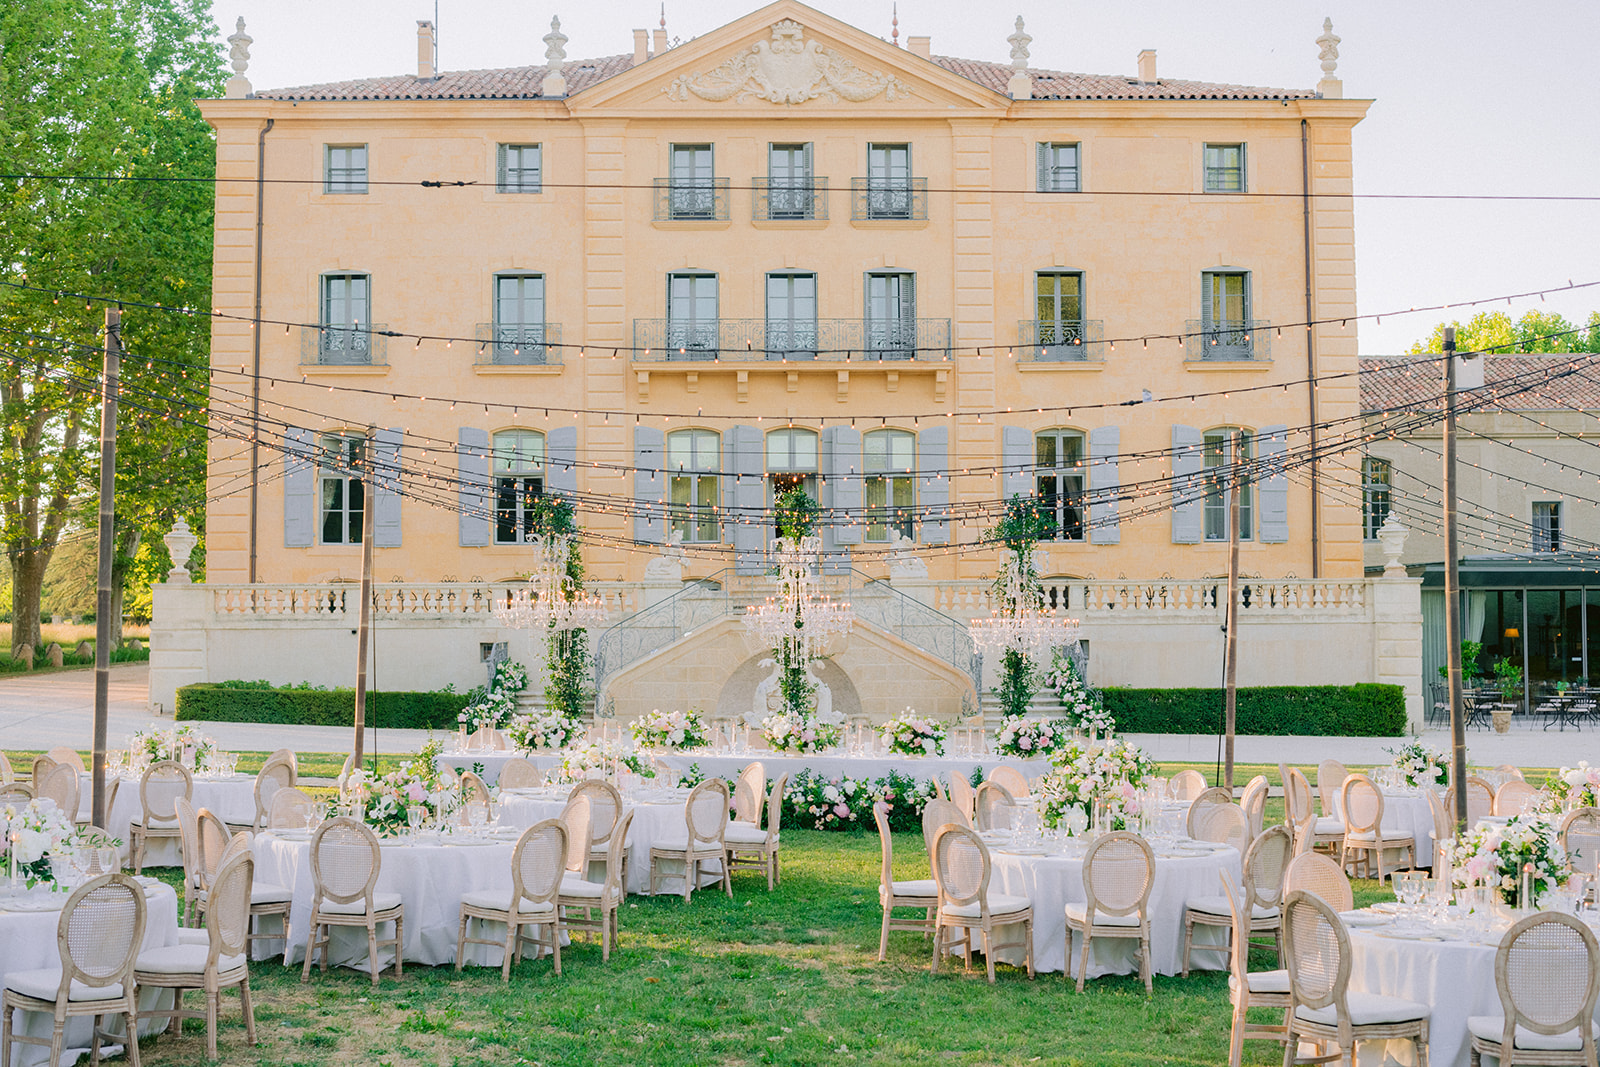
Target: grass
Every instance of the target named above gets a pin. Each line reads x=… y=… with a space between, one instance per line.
x=789 y=977
x=67 y=635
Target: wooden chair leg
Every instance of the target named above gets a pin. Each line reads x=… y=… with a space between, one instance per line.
x=512 y=930
x=249 y=1011
x=1188 y=942
x=1083 y=962
x=988 y=952
x=461 y=941
x=311 y=948
x=212 y=997
x=399 y=944
x=372 y=949
x=883 y=936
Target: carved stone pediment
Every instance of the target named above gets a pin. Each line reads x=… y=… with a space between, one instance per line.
x=788 y=69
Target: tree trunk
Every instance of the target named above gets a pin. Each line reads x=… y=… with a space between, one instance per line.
x=27 y=590
x=126 y=548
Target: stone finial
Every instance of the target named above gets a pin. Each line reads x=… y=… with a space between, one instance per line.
x=894 y=31
x=180 y=542
x=1020 y=87
x=239 y=42
x=1328 y=51
x=555 y=57
x=1392 y=535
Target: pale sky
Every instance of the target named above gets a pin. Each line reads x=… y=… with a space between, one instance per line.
x=1472 y=98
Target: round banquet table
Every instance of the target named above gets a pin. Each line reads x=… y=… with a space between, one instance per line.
x=491 y=762
x=230 y=797
x=657 y=817
x=430 y=879
x=1055 y=880
x=847 y=766
x=1405 y=811
x=28 y=942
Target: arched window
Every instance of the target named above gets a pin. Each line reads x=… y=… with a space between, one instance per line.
x=518 y=482
x=1224 y=448
x=694 y=460
x=889 y=461
x=1058 y=481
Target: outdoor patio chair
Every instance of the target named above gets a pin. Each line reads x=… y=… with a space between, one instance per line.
x=962 y=870
x=1254 y=802
x=1320 y=874
x=280 y=771
x=1264 y=863
x=750 y=846
x=42 y=765
x=15 y=793
x=1547 y=970
x=605 y=808
x=1580 y=837
x=705 y=816
x=1480 y=800
x=520 y=774
x=290 y=808
x=996 y=809
x=345 y=864
x=963 y=796
x=910 y=893
x=164 y=782
x=538 y=865
x=1215 y=797
x=1444 y=828
x=1250 y=989
x=473 y=792
x=1510 y=770
x=1514 y=796
x=1118 y=872
x=68 y=755
x=61 y=785
x=1186 y=785
x=7 y=776
x=1330 y=779
x=749 y=791
x=1010 y=779
x=1364 y=833
x=606 y=895
x=216 y=847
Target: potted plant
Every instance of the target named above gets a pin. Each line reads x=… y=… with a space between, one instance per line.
x=1507 y=679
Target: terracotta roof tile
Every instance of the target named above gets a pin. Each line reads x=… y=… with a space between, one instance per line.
x=1526 y=382
x=1062 y=85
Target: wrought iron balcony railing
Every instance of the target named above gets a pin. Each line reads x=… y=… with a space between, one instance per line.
x=756 y=340
x=691 y=199
x=1228 y=339
x=1060 y=341
x=528 y=344
x=779 y=199
x=344 y=346
x=889 y=198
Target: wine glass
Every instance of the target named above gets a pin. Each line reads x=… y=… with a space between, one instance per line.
x=319 y=812
x=114 y=762
x=414 y=815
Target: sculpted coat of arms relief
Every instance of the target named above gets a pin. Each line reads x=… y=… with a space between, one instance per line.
x=788 y=69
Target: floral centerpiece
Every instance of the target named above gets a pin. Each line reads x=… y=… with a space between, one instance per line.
x=670 y=729
x=1084 y=775
x=910 y=734
x=155 y=743
x=1495 y=855
x=579 y=761
x=32 y=834
x=1032 y=738
x=382 y=800
x=1084 y=707
x=492 y=706
x=1572 y=787
x=790 y=732
x=544 y=729
x=1420 y=765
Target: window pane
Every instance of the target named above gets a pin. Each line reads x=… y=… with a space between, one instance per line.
x=1045 y=450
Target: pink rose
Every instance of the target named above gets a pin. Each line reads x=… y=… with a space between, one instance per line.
x=415 y=793
x=841 y=810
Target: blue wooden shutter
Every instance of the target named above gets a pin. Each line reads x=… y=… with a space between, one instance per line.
x=299 y=489
x=847 y=486
x=1104 y=485
x=472 y=492
x=752 y=526
x=933 y=486
x=1046 y=171
x=649 y=485
x=1188 y=489
x=385 y=483
x=561 y=461
x=1272 y=445
x=1017 y=455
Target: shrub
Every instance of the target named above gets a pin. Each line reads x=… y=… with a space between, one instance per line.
x=259 y=702
x=1365 y=710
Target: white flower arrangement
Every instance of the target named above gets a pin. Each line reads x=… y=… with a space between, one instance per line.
x=489 y=711
x=670 y=729
x=1572 y=787
x=544 y=729
x=1495 y=855
x=1420 y=765
x=580 y=761
x=155 y=743
x=788 y=732
x=1084 y=775
x=509 y=677
x=31 y=835
x=1032 y=738
x=910 y=734
x=1084 y=707
x=383 y=799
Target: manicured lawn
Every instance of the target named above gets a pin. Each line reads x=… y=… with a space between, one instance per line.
x=789 y=977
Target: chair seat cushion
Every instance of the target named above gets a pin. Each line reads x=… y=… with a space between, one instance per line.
x=744 y=833
x=999 y=904
x=918 y=887
x=193 y=937
x=380 y=902
x=681 y=844
x=43 y=984
x=1389 y=840
x=1075 y=914
x=500 y=900
x=1493 y=1028
x=1264 y=982
x=183 y=959
x=1367 y=1009
x=1328 y=824
x=267 y=893
x=573 y=886
x=1219 y=906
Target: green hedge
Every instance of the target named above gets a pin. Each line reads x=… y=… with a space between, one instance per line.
x=317 y=707
x=1366 y=710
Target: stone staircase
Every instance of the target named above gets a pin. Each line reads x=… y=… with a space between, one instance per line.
x=1044 y=705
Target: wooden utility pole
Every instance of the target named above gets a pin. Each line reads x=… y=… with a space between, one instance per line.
x=1452 y=587
x=1230 y=679
x=110 y=376
x=368 y=496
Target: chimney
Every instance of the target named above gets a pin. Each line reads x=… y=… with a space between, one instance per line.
x=641 y=47
x=425 y=47
x=661 y=41
x=1147 y=65
x=920 y=46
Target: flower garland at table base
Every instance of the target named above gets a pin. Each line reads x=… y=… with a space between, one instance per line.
x=840 y=802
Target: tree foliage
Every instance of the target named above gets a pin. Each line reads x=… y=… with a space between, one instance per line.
x=1495 y=331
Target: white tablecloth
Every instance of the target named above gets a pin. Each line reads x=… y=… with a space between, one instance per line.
x=652 y=822
x=429 y=878
x=1404 y=813
x=233 y=799
x=1055 y=881
x=491 y=762
x=828 y=766
x=28 y=942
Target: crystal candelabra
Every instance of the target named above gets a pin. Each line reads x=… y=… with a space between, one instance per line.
x=800 y=618
x=549 y=601
x=1018 y=625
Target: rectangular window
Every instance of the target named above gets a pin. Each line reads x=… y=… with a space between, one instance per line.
x=1225 y=452
x=518 y=484
x=1058 y=167
x=1225 y=168
x=889 y=181
x=345 y=169
x=344 y=497
x=791 y=316
x=1547 y=526
x=346 y=332
x=1058 y=480
x=520 y=169
x=891 y=303
x=1376 y=476
x=789 y=182
x=1058 y=315
x=1225 y=315
x=693 y=193
x=691 y=316
x=694 y=460
x=791 y=464
x=889 y=460
x=519 y=318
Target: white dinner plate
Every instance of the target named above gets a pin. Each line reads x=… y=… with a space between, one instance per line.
x=1408 y=935
x=291 y=835
x=1364 y=918
x=35 y=904
x=470 y=842
x=1024 y=851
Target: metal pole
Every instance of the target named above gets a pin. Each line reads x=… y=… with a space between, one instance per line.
x=1230 y=680
x=1452 y=587
x=368 y=485
x=109 y=380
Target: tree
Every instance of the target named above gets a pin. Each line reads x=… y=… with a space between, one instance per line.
x=101 y=89
x=1495 y=331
